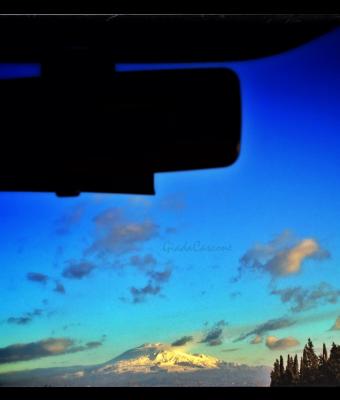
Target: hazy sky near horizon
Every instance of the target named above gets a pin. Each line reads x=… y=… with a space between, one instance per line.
x=241 y=263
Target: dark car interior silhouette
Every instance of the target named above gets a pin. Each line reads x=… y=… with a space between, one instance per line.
x=80 y=126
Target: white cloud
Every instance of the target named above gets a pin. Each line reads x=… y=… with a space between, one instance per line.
x=282 y=256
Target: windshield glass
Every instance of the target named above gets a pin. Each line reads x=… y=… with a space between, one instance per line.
x=211 y=279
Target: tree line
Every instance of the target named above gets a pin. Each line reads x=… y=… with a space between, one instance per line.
x=310 y=370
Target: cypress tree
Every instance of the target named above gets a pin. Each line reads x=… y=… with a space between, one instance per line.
x=310 y=364
x=275 y=374
x=324 y=353
x=288 y=378
x=322 y=373
x=296 y=370
x=333 y=366
x=313 y=363
x=303 y=367
x=282 y=368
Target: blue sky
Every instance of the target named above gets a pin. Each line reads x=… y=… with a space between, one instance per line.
x=224 y=255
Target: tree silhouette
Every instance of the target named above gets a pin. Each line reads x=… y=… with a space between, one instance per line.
x=324 y=353
x=302 y=371
x=288 y=375
x=311 y=364
x=282 y=368
x=275 y=374
x=333 y=365
x=296 y=370
x=314 y=370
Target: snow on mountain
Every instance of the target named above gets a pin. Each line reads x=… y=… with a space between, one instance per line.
x=152 y=357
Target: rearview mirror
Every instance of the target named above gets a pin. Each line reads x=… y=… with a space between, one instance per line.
x=79 y=129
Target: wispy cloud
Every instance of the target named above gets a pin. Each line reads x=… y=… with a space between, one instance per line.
x=154 y=286
x=26 y=318
x=282 y=256
x=29 y=351
x=44 y=279
x=37 y=277
x=230 y=350
x=302 y=299
x=66 y=222
x=139 y=295
x=161 y=276
x=59 y=288
x=93 y=345
x=273 y=343
x=115 y=234
x=268 y=326
x=143 y=262
x=214 y=337
x=78 y=270
x=42 y=348
x=182 y=341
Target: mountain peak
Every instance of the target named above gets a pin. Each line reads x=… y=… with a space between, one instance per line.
x=158 y=357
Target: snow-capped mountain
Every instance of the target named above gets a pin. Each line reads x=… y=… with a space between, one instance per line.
x=157 y=356
x=151 y=364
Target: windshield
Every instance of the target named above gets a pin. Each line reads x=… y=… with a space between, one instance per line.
x=213 y=278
